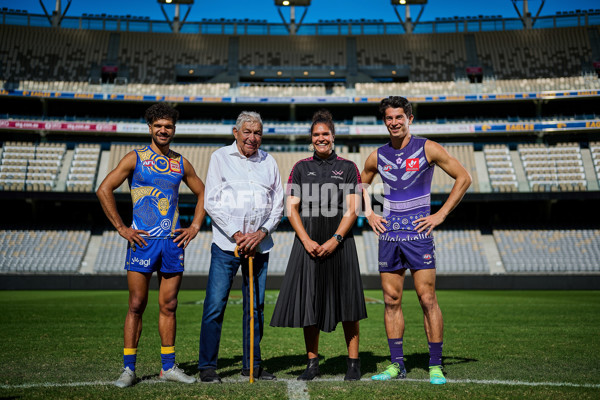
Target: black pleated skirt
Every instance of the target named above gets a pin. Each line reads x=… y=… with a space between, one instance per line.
x=321 y=292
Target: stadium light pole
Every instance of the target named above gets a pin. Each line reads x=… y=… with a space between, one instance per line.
x=291 y=26
x=408 y=25
x=57 y=15
x=526 y=18
x=176 y=24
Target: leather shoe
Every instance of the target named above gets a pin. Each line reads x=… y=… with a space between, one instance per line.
x=260 y=373
x=311 y=371
x=353 y=372
x=209 y=376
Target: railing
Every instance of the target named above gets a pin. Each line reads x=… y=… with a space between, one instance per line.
x=342 y=27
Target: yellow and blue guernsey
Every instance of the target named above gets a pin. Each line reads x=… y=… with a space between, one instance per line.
x=155 y=193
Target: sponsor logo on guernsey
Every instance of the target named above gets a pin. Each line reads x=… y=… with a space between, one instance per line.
x=141 y=262
x=148 y=163
x=412 y=164
x=311 y=173
x=175 y=166
x=387 y=168
x=337 y=174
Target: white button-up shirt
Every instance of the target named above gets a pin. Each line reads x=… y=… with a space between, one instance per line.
x=242 y=194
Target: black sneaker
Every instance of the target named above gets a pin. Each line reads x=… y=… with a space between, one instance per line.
x=260 y=373
x=209 y=376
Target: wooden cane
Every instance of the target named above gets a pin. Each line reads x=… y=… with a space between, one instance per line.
x=251 y=295
x=251 y=282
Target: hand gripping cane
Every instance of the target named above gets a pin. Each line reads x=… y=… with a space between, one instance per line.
x=251 y=295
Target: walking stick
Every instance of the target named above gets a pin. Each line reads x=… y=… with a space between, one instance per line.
x=251 y=295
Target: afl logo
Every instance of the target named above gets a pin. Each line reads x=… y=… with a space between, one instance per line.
x=148 y=163
x=427 y=256
x=387 y=168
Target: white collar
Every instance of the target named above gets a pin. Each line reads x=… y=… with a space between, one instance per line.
x=233 y=150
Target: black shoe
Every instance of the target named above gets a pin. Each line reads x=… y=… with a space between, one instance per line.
x=260 y=373
x=209 y=376
x=311 y=371
x=353 y=372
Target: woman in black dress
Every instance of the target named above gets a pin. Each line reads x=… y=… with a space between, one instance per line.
x=322 y=284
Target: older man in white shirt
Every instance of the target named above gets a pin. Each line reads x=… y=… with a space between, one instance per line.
x=244 y=198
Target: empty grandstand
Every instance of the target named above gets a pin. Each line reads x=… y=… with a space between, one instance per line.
x=518 y=107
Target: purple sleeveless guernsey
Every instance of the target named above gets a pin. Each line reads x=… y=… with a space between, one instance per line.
x=406 y=176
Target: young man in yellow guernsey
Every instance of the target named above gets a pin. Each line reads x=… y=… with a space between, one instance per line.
x=155 y=239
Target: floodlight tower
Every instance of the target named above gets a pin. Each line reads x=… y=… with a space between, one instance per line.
x=57 y=15
x=291 y=26
x=526 y=18
x=408 y=24
x=176 y=24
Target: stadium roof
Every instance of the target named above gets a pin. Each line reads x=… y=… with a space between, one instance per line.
x=265 y=10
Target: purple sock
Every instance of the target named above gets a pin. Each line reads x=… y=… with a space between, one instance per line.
x=435 y=353
x=396 y=350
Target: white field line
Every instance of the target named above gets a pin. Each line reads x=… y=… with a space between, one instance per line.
x=295 y=386
x=297 y=390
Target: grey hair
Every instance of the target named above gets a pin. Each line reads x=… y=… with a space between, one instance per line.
x=247 y=116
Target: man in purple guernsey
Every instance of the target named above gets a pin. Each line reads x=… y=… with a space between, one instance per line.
x=406 y=165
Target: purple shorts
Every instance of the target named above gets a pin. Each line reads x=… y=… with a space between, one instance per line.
x=411 y=254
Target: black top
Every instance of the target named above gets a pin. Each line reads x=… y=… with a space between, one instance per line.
x=323 y=184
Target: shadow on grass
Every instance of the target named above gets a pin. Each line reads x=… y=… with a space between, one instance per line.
x=223 y=364
x=421 y=361
x=295 y=364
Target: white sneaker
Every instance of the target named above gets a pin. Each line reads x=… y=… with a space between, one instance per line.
x=126 y=379
x=175 y=374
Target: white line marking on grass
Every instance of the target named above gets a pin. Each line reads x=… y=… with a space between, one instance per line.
x=297 y=388
x=520 y=383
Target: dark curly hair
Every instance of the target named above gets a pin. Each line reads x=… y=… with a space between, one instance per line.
x=395 y=102
x=323 y=117
x=161 y=111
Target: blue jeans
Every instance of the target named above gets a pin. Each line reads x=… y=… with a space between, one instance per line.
x=223 y=267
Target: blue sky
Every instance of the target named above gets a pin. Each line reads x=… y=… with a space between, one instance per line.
x=320 y=9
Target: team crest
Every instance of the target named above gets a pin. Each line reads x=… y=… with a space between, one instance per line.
x=412 y=164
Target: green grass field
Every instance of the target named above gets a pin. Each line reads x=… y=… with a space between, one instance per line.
x=497 y=344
